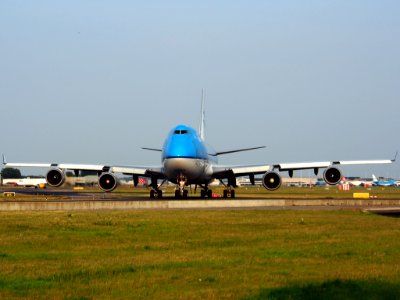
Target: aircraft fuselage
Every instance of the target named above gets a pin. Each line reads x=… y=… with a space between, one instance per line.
x=185 y=154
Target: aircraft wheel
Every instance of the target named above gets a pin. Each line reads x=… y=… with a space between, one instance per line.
x=159 y=194
x=185 y=194
x=152 y=194
x=177 y=194
x=209 y=193
x=202 y=193
x=225 y=194
x=233 y=194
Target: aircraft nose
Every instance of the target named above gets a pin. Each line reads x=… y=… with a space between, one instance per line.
x=182 y=149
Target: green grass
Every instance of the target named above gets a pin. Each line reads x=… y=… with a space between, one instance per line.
x=334 y=290
x=188 y=254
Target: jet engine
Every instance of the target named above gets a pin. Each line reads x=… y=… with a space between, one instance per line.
x=272 y=181
x=332 y=175
x=107 y=182
x=55 y=177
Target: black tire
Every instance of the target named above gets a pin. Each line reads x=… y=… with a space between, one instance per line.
x=209 y=193
x=203 y=194
x=159 y=194
x=177 y=194
x=225 y=194
x=152 y=194
x=185 y=194
x=233 y=194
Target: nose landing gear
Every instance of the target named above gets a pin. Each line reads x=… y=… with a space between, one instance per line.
x=180 y=191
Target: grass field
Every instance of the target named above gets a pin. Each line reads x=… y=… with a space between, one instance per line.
x=184 y=254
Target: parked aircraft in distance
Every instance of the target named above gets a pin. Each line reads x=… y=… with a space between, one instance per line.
x=27 y=182
x=357 y=182
x=186 y=160
x=377 y=182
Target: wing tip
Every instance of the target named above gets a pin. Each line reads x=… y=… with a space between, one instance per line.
x=395 y=156
x=152 y=149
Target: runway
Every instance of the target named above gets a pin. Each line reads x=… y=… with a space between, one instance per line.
x=85 y=203
x=69 y=200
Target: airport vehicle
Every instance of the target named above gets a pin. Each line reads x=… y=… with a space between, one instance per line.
x=320 y=182
x=377 y=182
x=27 y=182
x=186 y=160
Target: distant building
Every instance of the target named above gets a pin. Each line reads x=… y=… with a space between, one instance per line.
x=295 y=181
x=92 y=180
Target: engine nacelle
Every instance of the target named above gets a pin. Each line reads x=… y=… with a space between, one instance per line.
x=332 y=175
x=55 y=177
x=107 y=182
x=272 y=181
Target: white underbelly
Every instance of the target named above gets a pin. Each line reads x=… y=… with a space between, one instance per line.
x=193 y=169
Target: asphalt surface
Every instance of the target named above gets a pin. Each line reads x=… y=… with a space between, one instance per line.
x=67 y=195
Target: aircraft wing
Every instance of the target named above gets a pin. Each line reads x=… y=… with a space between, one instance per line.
x=326 y=164
x=236 y=150
x=127 y=170
x=220 y=172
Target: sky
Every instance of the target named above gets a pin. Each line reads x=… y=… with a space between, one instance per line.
x=94 y=81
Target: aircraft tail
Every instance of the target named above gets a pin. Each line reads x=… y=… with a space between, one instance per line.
x=202 y=119
x=374 y=178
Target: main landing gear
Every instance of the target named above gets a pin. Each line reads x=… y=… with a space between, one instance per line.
x=206 y=193
x=155 y=192
x=229 y=193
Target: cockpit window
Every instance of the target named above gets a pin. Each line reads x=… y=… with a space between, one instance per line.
x=181 y=132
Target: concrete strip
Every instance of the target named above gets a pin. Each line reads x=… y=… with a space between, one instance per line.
x=186 y=204
x=384 y=211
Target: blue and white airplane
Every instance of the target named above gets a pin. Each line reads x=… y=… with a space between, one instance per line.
x=186 y=160
x=377 y=182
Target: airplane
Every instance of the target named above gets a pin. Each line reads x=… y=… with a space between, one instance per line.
x=377 y=182
x=186 y=159
x=355 y=182
x=27 y=182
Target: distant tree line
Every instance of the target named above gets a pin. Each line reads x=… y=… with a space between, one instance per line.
x=8 y=173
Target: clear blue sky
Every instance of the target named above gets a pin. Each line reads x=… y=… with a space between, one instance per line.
x=93 y=81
